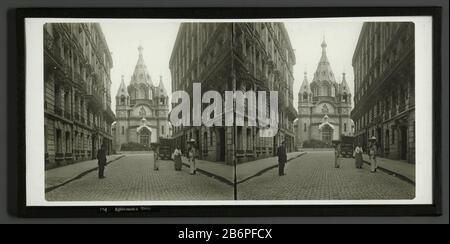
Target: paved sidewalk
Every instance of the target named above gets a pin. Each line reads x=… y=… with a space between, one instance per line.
x=61 y=175
x=400 y=168
x=244 y=171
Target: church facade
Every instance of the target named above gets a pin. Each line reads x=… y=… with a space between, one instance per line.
x=324 y=106
x=141 y=109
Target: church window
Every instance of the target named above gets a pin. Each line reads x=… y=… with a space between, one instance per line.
x=162 y=130
x=344 y=98
x=304 y=127
x=325 y=109
x=305 y=96
x=345 y=127
x=122 y=100
x=142 y=112
x=123 y=130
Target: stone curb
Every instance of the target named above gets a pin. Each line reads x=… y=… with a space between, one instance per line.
x=268 y=168
x=51 y=188
x=228 y=182
x=393 y=173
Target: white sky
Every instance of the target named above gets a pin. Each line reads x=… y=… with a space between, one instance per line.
x=158 y=39
x=123 y=40
x=306 y=40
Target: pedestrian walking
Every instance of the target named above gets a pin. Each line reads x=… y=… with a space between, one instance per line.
x=155 y=156
x=176 y=156
x=373 y=149
x=282 y=158
x=192 y=153
x=101 y=157
x=358 y=155
x=337 y=155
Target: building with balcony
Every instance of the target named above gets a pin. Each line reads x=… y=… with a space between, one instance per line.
x=141 y=109
x=323 y=106
x=242 y=56
x=383 y=64
x=77 y=100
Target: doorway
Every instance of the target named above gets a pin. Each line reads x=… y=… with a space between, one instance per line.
x=94 y=147
x=380 y=145
x=327 y=134
x=144 y=137
x=220 y=147
x=403 y=142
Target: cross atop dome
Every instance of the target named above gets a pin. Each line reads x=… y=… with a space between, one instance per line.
x=324 y=44
x=140 y=49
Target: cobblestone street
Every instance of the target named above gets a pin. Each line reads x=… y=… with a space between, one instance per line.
x=309 y=177
x=313 y=177
x=132 y=178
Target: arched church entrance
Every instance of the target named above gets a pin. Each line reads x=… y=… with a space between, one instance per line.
x=327 y=134
x=144 y=136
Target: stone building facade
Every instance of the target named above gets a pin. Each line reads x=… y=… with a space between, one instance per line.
x=77 y=84
x=383 y=64
x=324 y=106
x=257 y=56
x=141 y=108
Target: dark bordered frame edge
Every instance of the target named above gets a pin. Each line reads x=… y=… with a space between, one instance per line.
x=17 y=119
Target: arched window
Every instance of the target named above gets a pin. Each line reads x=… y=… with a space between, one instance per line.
x=122 y=100
x=142 y=112
x=144 y=136
x=327 y=134
x=325 y=109
x=305 y=96
x=143 y=93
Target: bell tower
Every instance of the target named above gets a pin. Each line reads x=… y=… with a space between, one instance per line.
x=122 y=108
x=305 y=103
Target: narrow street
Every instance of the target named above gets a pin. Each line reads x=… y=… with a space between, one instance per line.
x=313 y=177
x=309 y=177
x=132 y=178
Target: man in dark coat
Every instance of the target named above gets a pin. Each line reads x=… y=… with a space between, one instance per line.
x=282 y=158
x=101 y=157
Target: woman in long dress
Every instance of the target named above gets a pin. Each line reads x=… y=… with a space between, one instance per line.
x=337 y=155
x=373 y=149
x=177 y=159
x=358 y=155
x=191 y=157
x=155 y=158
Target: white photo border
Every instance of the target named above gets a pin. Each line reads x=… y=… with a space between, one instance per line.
x=34 y=115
